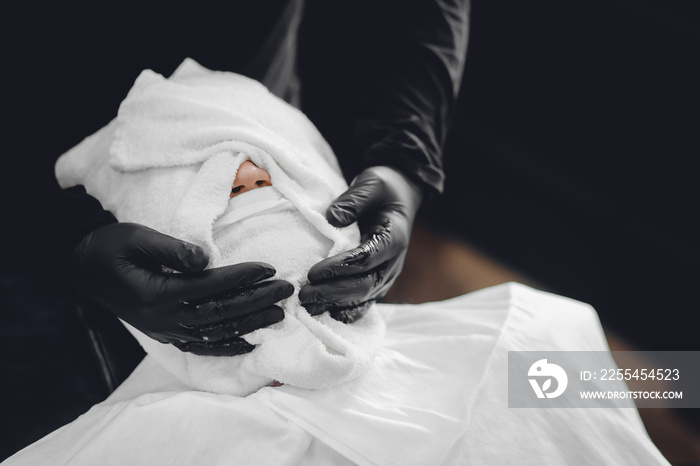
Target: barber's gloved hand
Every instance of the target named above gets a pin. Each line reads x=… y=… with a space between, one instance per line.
x=385 y=202
x=128 y=268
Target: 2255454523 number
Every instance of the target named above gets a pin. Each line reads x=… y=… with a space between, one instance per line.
x=639 y=374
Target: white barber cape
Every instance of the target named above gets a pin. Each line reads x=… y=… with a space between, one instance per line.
x=435 y=395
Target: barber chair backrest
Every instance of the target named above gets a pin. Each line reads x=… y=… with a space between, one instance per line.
x=106 y=352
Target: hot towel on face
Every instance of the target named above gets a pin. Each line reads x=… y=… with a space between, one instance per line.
x=168 y=161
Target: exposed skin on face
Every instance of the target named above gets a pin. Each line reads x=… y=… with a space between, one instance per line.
x=249 y=177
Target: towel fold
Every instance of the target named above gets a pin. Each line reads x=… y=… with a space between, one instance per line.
x=258 y=202
x=168 y=161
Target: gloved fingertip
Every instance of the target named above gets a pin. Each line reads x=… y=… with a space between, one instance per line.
x=268 y=270
x=193 y=258
x=303 y=295
x=312 y=308
x=260 y=271
x=318 y=274
x=275 y=314
x=285 y=290
x=244 y=349
x=339 y=216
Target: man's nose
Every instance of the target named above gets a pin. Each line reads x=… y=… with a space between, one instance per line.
x=249 y=177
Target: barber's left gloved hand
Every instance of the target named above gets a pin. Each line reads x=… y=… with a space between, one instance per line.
x=385 y=202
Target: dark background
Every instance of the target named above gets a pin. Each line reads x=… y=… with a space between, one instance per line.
x=573 y=156
x=578 y=139
x=574 y=153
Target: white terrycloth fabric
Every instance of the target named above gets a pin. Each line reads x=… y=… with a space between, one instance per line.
x=437 y=395
x=168 y=161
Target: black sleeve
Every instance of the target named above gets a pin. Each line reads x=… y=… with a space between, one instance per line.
x=408 y=71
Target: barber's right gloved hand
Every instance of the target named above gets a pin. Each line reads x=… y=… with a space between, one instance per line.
x=122 y=266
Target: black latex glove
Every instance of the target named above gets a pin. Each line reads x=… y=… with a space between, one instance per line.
x=125 y=268
x=385 y=202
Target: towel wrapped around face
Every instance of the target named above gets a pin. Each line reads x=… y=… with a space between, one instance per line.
x=168 y=161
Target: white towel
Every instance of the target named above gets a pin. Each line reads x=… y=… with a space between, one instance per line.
x=168 y=161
